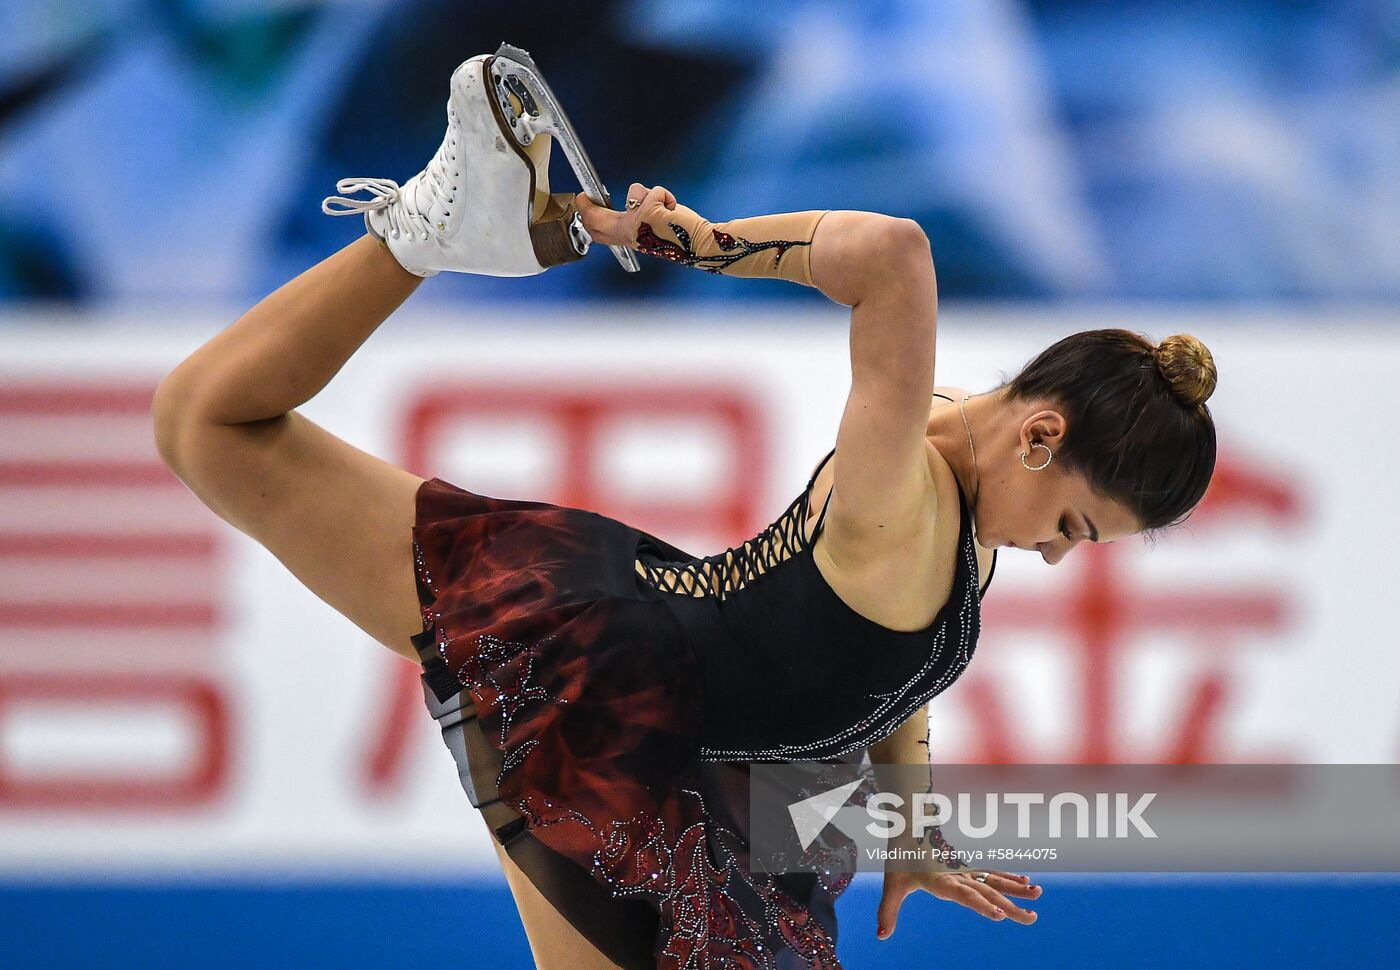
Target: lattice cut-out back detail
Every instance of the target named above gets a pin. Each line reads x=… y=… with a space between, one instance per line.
x=725 y=573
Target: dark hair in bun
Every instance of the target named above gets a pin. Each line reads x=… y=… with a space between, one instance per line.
x=1188 y=366
x=1137 y=424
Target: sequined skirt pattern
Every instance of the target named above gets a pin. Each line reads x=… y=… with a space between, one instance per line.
x=583 y=681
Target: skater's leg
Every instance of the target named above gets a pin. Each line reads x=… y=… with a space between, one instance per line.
x=565 y=910
x=286 y=348
x=338 y=518
x=554 y=942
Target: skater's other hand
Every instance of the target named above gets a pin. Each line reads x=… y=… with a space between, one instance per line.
x=989 y=897
x=613 y=228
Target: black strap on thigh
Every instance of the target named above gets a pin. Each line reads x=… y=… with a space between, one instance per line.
x=624 y=930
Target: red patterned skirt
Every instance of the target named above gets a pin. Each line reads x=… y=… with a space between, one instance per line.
x=587 y=701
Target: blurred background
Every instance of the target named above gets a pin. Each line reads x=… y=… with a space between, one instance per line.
x=199 y=760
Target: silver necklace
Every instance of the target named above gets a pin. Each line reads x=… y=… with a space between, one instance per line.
x=962 y=406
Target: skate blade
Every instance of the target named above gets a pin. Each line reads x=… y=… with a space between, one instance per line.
x=532 y=110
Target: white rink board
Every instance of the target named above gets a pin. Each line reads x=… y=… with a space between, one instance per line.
x=253 y=732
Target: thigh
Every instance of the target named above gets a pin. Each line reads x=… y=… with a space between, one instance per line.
x=338 y=518
x=554 y=942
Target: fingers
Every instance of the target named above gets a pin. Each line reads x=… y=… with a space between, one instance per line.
x=603 y=224
x=1000 y=906
x=641 y=197
x=969 y=895
x=981 y=898
x=637 y=193
x=964 y=890
x=1013 y=885
x=887 y=915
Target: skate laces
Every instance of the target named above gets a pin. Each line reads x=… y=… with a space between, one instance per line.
x=409 y=217
x=403 y=220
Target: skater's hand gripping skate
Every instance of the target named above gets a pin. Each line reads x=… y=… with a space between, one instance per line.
x=776 y=246
x=613 y=228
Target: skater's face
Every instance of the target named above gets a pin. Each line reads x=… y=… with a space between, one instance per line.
x=1050 y=511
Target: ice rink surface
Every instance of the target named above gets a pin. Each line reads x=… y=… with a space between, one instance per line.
x=1236 y=922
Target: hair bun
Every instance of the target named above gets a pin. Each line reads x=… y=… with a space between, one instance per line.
x=1188 y=367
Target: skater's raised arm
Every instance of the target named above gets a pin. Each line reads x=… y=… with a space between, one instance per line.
x=878 y=265
x=855 y=248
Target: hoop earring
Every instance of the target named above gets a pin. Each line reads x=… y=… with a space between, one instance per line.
x=1049 y=457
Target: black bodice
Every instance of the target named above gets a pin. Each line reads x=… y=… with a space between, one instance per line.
x=789 y=670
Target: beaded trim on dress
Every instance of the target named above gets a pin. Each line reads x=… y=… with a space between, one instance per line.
x=891 y=709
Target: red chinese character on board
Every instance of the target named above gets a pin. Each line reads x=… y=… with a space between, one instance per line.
x=580 y=421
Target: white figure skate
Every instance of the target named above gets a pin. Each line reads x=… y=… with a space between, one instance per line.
x=483 y=205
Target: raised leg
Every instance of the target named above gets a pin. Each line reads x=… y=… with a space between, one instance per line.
x=338 y=518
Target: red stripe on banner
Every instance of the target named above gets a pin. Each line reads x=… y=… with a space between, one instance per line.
x=159 y=616
x=86 y=473
x=74 y=545
x=55 y=399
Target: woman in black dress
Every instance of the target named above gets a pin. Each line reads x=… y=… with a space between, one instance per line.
x=601 y=689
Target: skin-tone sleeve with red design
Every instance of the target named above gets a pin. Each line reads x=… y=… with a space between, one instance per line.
x=774 y=246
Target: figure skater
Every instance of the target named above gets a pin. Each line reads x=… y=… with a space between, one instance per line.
x=601 y=690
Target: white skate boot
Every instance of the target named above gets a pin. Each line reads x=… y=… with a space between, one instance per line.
x=483 y=205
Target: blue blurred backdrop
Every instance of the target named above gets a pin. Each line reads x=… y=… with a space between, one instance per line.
x=1053 y=149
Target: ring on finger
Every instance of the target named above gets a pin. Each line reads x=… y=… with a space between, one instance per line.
x=982 y=876
x=633 y=204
